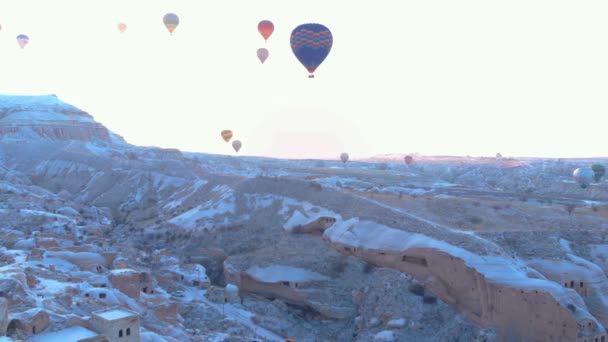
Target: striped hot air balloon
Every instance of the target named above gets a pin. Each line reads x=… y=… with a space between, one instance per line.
x=263 y=54
x=311 y=44
x=226 y=135
x=266 y=27
x=171 y=21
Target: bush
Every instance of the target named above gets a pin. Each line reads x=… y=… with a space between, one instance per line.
x=368 y=268
x=569 y=208
x=475 y=220
x=417 y=289
x=427 y=299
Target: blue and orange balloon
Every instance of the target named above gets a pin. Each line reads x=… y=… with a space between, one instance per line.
x=171 y=20
x=311 y=44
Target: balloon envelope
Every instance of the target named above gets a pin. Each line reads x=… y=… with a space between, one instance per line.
x=171 y=20
x=344 y=157
x=236 y=145
x=583 y=176
x=23 y=40
x=266 y=27
x=226 y=135
x=122 y=27
x=263 y=54
x=311 y=44
x=408 y=160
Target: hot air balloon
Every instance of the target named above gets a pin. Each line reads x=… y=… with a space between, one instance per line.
x=599 y=171
x=236 y=145
x=311 y=44
x=408 y=160
x=344 y=157
x=122 y=27
x=263 y=54
x=227 y=135
x=22 y=40
x=265 y=27
x=583 y=176
x=171 y=21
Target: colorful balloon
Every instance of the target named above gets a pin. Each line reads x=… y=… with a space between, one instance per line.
x=171 y=21
x=311 y=44
x=408 y=160
x=236 y=145
x=23 y=40
x=263 y=54
x=344 y=157
x=266 y=27
x=226 y=135
x=583 y=176
x=599 y=171
x=122 y=27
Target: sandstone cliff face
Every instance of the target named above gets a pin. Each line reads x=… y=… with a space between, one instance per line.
x=47 y=117
x=490 y=290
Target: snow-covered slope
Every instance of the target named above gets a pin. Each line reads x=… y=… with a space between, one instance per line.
x=47 y=117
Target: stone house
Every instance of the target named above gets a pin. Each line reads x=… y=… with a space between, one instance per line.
x=116 y=324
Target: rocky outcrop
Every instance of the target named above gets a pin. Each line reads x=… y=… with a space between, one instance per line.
x=491 y=290
x=3 y=316
x=47 y=117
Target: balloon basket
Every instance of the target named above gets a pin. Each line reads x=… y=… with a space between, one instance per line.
x=311 y=76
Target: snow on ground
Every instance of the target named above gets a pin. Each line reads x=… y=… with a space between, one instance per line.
x=565 y=245
x=193 y=189
x=202 y=216
x=149 y=336
x=74 y=333
x=114 y=314
x=51 y=286
x=98 y=149
x=337 y=182
x=279 y=273
x=260 y=201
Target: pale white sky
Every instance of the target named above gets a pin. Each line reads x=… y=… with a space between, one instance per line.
x=520 y=77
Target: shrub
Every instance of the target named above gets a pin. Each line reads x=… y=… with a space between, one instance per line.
x=427 y=299
x=417 y=289
x=475 y=220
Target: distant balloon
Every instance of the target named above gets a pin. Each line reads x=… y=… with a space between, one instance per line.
x=583 y=176
x=226 y=135
x=263 y=54
x=171 y=21
x=0 y=27
x=122 y=27
x=23 y=40
x=236 y=145
x=599 y=171
x=311 y=44
x=344 y=157
x=408 y=160
x=266 y=27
